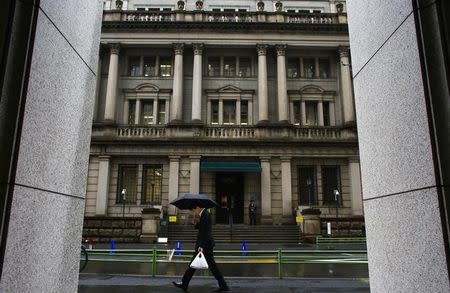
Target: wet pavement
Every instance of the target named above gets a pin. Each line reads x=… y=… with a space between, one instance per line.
x=124 y=284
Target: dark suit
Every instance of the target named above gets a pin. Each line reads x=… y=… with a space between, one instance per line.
x=205 y=240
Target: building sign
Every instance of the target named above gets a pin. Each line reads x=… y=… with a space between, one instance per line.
x=172 y=219
x=299 y=219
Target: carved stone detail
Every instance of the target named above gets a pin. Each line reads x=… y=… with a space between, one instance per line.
x=281 y=50
x=115 y=48
x=180 y=5
x=179 y=48
x=198 y=48
x=344 y=51
x=260 y=6
x=261 y=49
x=199 y=5
x=279 y=6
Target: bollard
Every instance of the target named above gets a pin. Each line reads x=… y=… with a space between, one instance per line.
x=329 y=228
x=244 y=248
x=112 y=247
x=178 y=249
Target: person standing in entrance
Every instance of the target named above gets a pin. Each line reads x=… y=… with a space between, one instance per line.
x=252 y=212
x=205 y=243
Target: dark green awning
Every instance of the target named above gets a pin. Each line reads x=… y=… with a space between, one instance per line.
x=221 y=166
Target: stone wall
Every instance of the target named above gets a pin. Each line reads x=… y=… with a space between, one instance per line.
x=105 y=229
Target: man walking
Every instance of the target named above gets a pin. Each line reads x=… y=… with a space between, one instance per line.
x=205 y=243
x=252 y=212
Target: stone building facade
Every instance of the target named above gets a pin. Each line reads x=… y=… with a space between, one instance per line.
x=241 y=100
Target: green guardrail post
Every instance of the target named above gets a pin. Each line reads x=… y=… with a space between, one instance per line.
x=280 y=265
x=154 y=254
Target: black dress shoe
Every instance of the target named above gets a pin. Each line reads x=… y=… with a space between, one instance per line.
x=179 y=285
x=222 y=289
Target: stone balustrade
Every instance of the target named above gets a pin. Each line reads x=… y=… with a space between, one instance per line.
x=156 y=132
x=221 y=16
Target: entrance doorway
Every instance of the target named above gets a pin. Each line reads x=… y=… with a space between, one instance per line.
x=230 y=196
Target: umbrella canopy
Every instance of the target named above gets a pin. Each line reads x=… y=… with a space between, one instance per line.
x=188 y=201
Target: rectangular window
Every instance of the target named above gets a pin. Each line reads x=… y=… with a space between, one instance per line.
x=244 y=112
x=134 y=66
x=147 y=112
x=331 y=180
x=244 y=67
x=317 y=11
x=167 y=9
x=153 y=9
x=293 y=67
x=216 y=9
x=214 y=66
x=290 y=11
x=307 y=194
x=297 y=113
x=152 y=184
x=326 y=113
x=229 y=66
x=131 y=111
x=149 y=66
x=308 y=67
x=161 y=112
x=140 y=9
x=324 y=68
x=127 y=182
x=311 y=113
x=242 y=10
x=303 y=11
x=229 y=112
x=165 y=66
x=214 y=112
x=229 y=10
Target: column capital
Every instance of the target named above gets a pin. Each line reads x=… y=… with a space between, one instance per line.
x=261 y=49
x=174 y=158
x=198 y=48
x=179 y=48
x=344 y=51
x=264 y=159
x=195 y=158
x=286 y=159
x=104 y=158
x=115 y=48
x=281 y=50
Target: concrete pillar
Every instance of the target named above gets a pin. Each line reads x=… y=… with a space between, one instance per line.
x=194 y=186
x=238 y=112
x=155 y=111
x=263 y=103
x=266 y=195
x=111 y=88
x=101 y=205
x=176 y=107
x=355 y=186
x=197 y=84
x=250 y=112
x=346 y=87
x=320 y=113
x=283 y=110
x=174 y=169
x=220 y=112
x=286 y=189
x=45 y=139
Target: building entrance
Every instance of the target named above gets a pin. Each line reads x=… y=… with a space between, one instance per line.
x=230 y=196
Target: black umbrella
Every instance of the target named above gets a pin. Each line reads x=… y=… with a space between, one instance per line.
x=188 y=201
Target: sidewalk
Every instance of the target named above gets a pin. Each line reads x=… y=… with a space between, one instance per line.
x=136 y=284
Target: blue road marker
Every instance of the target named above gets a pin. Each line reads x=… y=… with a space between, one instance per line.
x=178 y=250
x=112 y=247
x=244 y=247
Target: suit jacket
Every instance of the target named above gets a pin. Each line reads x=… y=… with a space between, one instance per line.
x=205 y=239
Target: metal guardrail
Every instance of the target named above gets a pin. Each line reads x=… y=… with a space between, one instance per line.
x=278 y=257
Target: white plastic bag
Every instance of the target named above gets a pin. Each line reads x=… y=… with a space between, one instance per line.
x=199 y=262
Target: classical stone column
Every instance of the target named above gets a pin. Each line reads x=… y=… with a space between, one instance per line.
x=195 y=174
x=286 y=188
x=126 y=111
x=137 y=111
x=101 y=205
x=176 y=107
x=283 y=110
x=332 y=116
x=266 y=196
x=174 y=169
x=346 y=87
x=155 y=111
x=99 y=81
x=263 y=103
x=197 y=84
x=355 y=186
x=303 y=112
x=111 y=88
x=320 y=113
